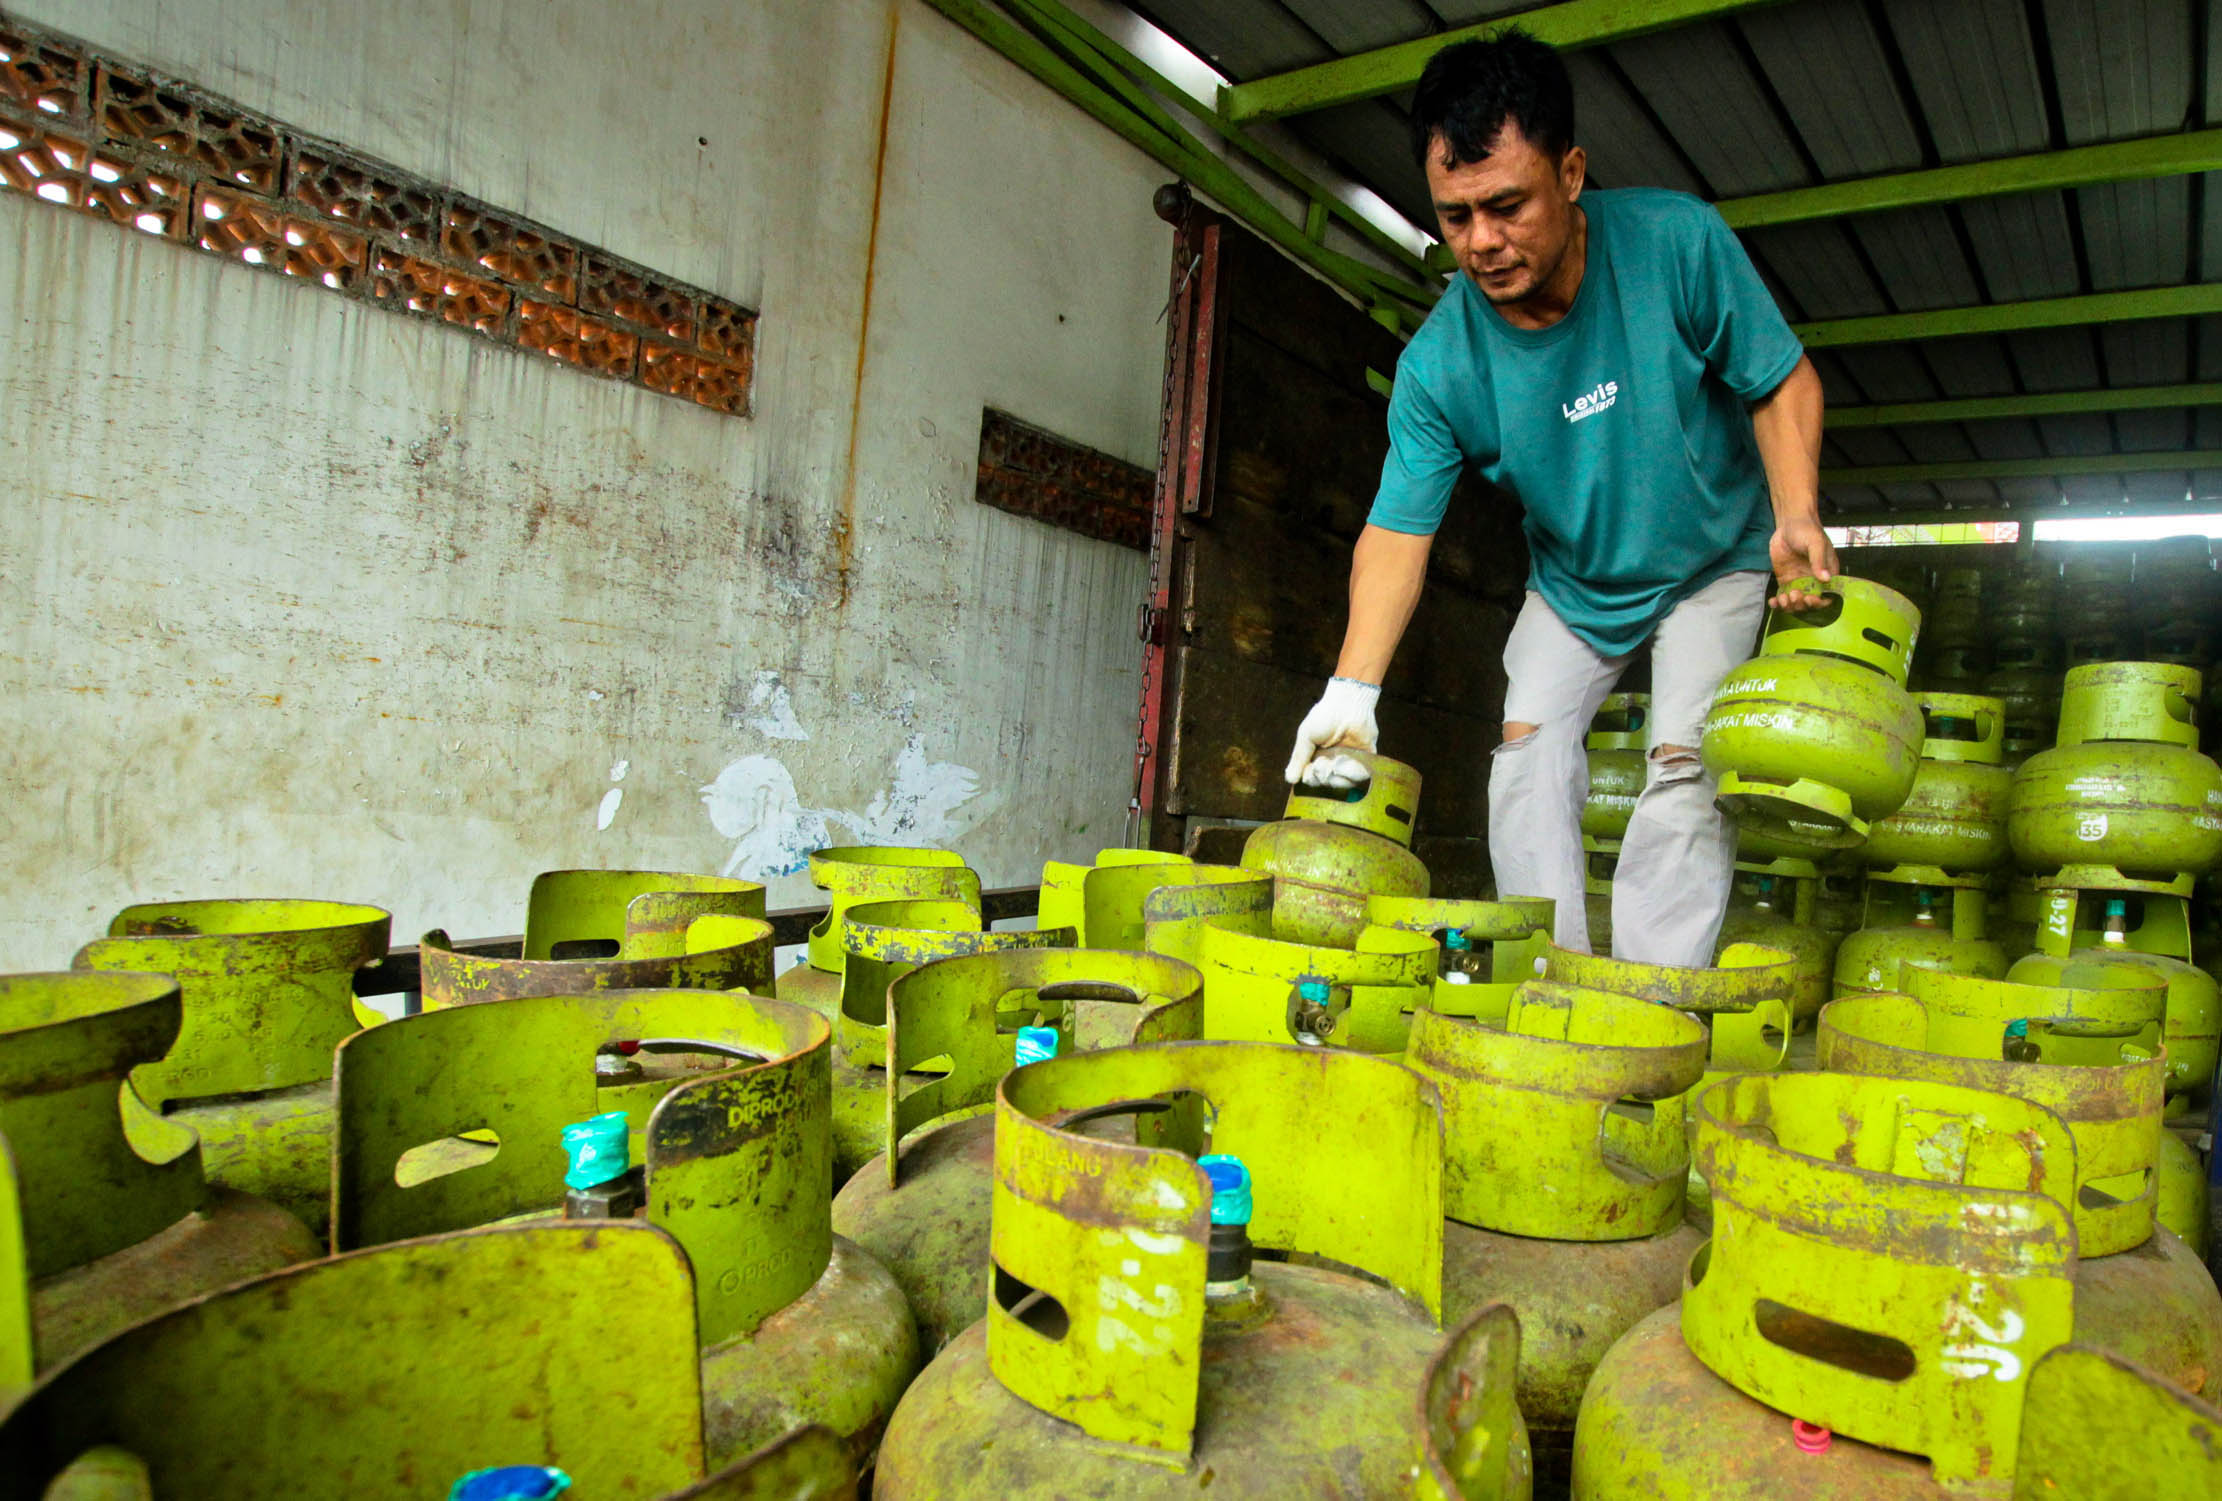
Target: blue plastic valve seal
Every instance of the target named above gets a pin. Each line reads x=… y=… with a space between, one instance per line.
x=1036 y=1044
x=1314 y=991
x=598 y=1149
x=1230 y=1188
x=1456 y=939
x=511 y=1483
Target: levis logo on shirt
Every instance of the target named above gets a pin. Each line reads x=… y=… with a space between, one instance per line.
x=1591 y=404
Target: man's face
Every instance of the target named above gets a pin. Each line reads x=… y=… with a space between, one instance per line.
x=1508 y=217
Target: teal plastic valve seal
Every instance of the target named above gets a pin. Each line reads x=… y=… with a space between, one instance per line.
x=597 y=1149
x=1036 y=1044
x=1230 y=1188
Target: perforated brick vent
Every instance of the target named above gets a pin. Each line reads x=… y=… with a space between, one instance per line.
x=106 y=137
x=1033 y=472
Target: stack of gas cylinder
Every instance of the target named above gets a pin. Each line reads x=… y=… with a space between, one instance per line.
x=1278 y=1178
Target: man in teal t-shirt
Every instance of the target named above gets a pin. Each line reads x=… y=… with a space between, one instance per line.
x=1612 y=360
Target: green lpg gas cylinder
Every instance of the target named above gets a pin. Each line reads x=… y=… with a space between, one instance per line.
x=922 y=1205
x=1616 y=749
x=1334 y=849
x=2021 y=608
x=2025 y=679
x=1782 y=916
x=1955 y=818
x=1915 y=582
x=1938 y=923
x=853 y=873
x=1565 y=1159
x=1600 y=868
x=1134 y=1343
x=1889 y=1258
x=2125 y=800
x=1842 y=901
x=2174 y=585
x=1816 y=736
x=2094 y=595
x=1102 y=903
x=269 y=992
x=1956 y=616
x=111 y=1218
x=1261 y=989
x=1744 y=1002
x=1487 y=949
x=2185 y=645
x=2102 y=1075
x=2138 y=936
x=881 y=942
x=796 y=1324
x=2014 y=907
x=591 y=930
x=387 y=1374
x=1951 y=669
x=1174 y=917
x=2183 y=1192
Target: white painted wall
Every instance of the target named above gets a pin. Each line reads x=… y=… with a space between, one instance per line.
x=302 y=597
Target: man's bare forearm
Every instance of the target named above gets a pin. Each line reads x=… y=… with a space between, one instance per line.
x=1386 y=571
x=1787 y=424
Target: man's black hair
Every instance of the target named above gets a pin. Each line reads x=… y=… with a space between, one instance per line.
x=1469 y=91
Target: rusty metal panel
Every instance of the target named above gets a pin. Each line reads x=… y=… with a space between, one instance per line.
x=1265 y=588
x=1251 y=588
x=1030 y=471
x=1194 y=314
x=1237 y=719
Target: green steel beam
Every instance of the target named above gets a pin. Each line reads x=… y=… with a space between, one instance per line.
x=2043 y=510
x=1366 y=75
x=1096 y=74
x=1085 y=40
x=2118 y=161
x=2063 y=465
x=2029 y=404
x=2006 y=317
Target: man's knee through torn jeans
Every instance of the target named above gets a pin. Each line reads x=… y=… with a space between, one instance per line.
x=1677 y=859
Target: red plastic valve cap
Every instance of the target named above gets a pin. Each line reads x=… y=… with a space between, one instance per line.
x=1810 y=1437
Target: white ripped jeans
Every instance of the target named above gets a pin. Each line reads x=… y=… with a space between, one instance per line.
x=1679 y=855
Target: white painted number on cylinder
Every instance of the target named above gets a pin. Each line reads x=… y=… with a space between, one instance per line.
x=1972 y=1361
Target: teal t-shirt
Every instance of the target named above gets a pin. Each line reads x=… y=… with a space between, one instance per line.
x=1621 y=428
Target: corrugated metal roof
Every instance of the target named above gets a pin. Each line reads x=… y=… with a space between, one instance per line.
x=1815 y=91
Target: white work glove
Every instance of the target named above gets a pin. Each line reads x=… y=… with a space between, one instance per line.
x=1342 y=717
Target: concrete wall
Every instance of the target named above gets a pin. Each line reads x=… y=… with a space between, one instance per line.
x=303 y=597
